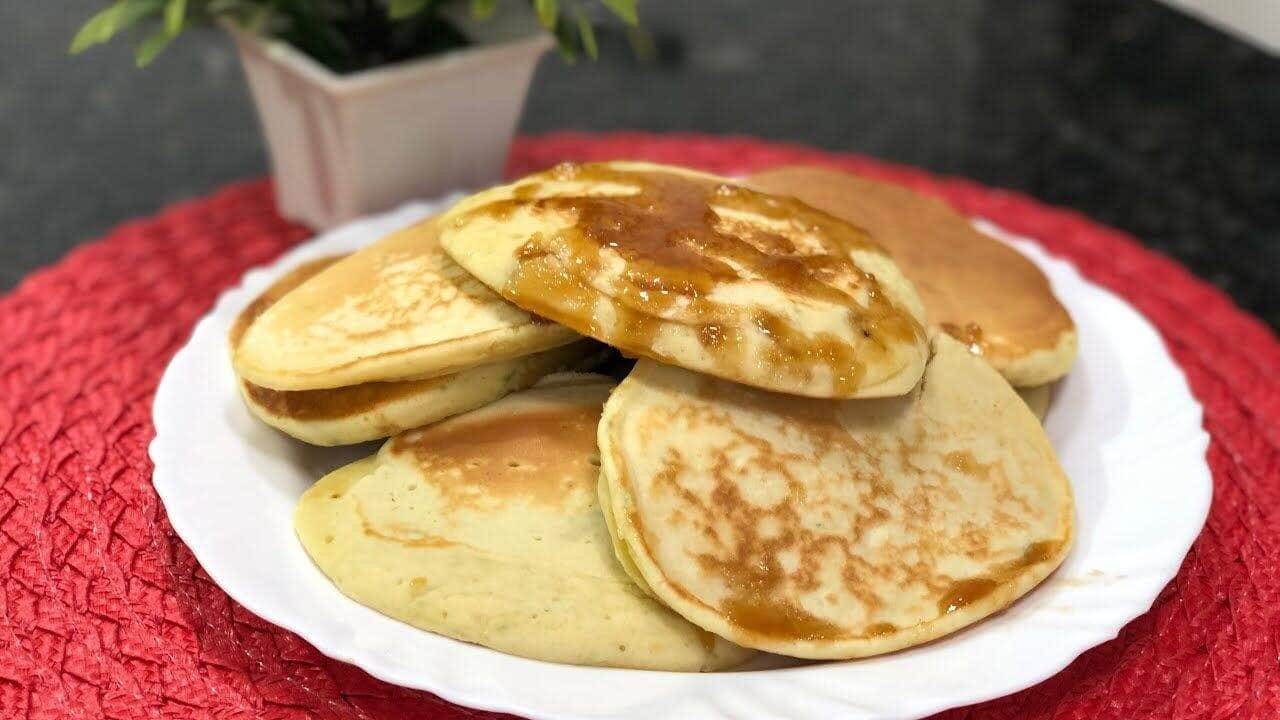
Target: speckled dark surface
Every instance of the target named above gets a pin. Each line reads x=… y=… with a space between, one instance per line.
x=1124 y=109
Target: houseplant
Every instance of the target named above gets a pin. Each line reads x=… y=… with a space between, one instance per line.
x=368 y=103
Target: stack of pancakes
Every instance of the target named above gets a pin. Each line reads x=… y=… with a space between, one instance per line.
x=820 y=451
x=348 y=349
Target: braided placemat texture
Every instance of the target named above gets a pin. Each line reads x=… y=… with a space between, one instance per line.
x=105 y=613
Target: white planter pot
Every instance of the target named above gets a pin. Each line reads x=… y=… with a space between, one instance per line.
x=347 y=145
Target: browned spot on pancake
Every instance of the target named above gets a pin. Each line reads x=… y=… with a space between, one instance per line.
x=965 y=592
x=406 y=536
x=540 y=456
x=277 y=290
x=973 y=540
x=992 y=475
x=335 y=402
x=963 y=276
x=677 y=249
x=667 y=480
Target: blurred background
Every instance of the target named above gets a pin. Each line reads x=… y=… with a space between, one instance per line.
x=1127 y=110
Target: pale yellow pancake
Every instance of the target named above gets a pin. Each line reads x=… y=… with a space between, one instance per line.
x=834 y=529
x=486 y=528
x=368 y=411
x=975 y=287
x=690 y=269
x=399 y=309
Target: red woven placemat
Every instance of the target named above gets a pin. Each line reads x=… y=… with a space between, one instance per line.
x=104 y=612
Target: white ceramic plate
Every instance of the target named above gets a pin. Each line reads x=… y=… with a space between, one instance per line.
x=1125 y=425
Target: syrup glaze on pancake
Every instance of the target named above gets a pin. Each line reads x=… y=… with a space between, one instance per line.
x=663 y=249
x=486 y=528
x=834 y=529
x=398 y=309
x=979 y=290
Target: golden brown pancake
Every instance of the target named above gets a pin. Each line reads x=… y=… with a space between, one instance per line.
x=978 y=289
x=398 y=309
x=692 y=270
x=822 y=529
x=358 y=413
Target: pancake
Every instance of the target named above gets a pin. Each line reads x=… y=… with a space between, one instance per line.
x=396 y=310
x=1037 y=398
x=975 y=287
x=368 y=411
x=834 y=529
x=486 y=528
x=691 y=270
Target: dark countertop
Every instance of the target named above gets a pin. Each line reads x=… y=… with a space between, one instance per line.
x=1124 y=109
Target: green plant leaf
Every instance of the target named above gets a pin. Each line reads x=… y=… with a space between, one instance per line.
x=152 y=46
x=624 y=9
x=548 y=13
x=566 y=43
x=108 y=22
x=97 y=29
x=134 y=11
x=174 y=13
x=483 y=9
x=586 y=33
x=401 y=9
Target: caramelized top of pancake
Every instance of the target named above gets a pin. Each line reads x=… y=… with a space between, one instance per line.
x=976 y=288
x=693 y=270
x=479 y=463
